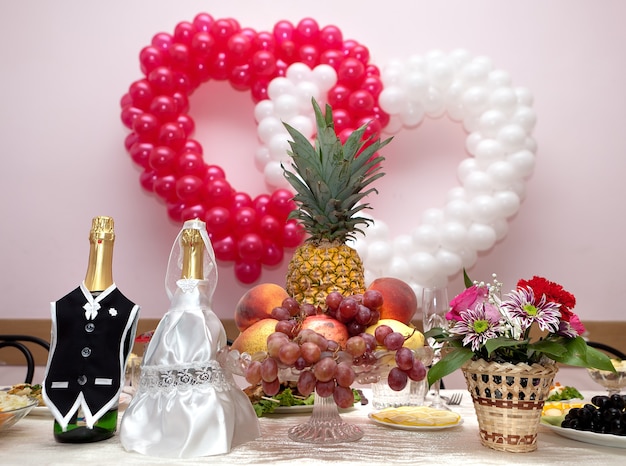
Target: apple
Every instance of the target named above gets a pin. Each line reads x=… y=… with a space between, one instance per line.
x=257 y=304
x=399 y=300
x=327 y=326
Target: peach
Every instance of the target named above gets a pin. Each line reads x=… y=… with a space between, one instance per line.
x=399 y=300
x=327 y=326
x=254 y=338
x=257 y=304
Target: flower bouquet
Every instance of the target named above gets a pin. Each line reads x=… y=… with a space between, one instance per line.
x=507 y=348
x=484 y=325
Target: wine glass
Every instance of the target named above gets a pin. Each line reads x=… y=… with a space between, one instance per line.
x=435 y=305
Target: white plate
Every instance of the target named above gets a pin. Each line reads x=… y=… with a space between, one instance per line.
x=605 y=440
x=414 y=428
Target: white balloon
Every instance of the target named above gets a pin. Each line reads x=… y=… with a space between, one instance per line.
x=377 y=231
x=458 y=210
x=481 y=237
x=402 y=245
x=268 y=127
x=525 y=117
x=379 y=254
x=508 y=203
x=263 y=109
x=278 y=147
x=305 y=91
x=475 y=72
x=488 y=151
x=441 y=72
x=298 y=72
x=423 y=266
x=303 y=124
x=503 y=99
x=523 y=161
x=499 y=78
x=448 y=262
x=468 y=256
x=412 y=114
x=453 y=235
x=416 y=86
x=477 y=182
x=399 y=268
x=261 y=158
x=325 y=77
x=512 y=137
x=475 y=100
x=392 y=100
x=279 y=86
x=501 y=228
x=466 y=168
x=394 y=125
x=491 y=121
x=459 y=58
x=274 y=174
x=433 y=216
x=484 y=209
x=502 y=174
x=426 y=238
x=472 y=141
x=434 y=104
x=454 y=101
x=524 y=96
x=286 y=106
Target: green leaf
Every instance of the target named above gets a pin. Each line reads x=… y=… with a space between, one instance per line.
x=450 y=363
x=467 y=280
x=548 y=347
x=501 y=342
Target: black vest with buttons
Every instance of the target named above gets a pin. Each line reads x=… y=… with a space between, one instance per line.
x=88 y=355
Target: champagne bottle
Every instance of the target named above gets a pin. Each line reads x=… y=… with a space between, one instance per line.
x=99 y=277
x=193 y=248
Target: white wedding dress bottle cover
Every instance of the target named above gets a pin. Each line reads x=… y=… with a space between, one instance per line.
x=187 y=404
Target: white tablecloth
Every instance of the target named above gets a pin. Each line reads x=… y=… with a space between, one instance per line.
x=31 y=442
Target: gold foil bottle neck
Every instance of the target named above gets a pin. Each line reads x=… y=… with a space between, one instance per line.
x=100 y=266
x=102 y=228
x=193 y=254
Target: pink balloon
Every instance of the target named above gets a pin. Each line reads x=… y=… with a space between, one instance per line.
x=247 y=272
x=250 y=247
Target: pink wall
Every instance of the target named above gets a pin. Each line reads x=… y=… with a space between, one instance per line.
x=66 y=64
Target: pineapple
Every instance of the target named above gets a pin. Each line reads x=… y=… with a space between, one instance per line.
x=329 y=180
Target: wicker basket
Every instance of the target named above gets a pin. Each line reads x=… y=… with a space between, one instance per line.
x=508 y=399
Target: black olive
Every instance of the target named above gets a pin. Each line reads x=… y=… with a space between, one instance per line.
x=611 y=414
x=617 y=401
x=600 y=401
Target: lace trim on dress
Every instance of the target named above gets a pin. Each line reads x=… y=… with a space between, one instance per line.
x=184 y=377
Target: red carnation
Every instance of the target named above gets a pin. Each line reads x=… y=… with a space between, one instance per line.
x=554 y=292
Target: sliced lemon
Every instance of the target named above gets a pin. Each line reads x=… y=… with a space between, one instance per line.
x=417 y=416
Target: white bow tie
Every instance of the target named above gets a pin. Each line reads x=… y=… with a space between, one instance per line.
x=91 y=310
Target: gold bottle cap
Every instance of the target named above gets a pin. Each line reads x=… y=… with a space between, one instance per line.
x=102 y=228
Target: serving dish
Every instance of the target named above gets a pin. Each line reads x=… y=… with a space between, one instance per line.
x=605 y=440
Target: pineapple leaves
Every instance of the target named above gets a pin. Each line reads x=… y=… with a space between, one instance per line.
x=330 y=178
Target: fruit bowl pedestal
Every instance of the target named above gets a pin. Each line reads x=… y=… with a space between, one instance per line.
x=325 y=425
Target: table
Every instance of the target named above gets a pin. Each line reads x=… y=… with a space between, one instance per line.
x=31 y=442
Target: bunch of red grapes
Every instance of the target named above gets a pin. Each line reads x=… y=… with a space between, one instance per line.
x=322 y=364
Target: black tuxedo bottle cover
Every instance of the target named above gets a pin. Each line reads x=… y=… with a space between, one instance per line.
x=93 y=329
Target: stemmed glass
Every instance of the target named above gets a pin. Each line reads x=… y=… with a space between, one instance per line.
x=435 y=305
